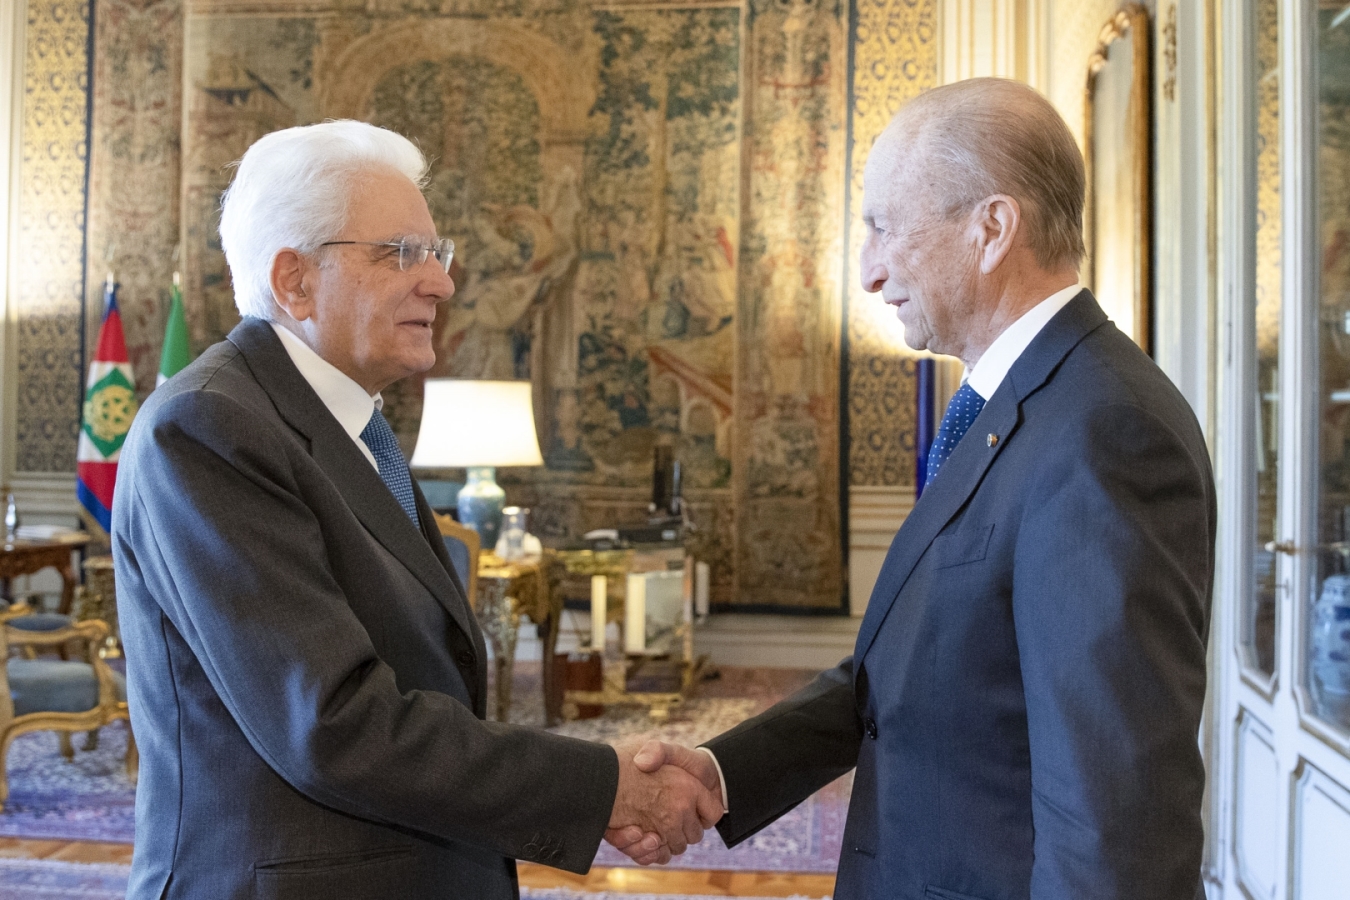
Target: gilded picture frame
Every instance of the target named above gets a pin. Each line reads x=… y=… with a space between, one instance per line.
x=1118 y=140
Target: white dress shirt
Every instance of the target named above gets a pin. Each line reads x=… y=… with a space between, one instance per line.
x=346 y=400
x=993 y=366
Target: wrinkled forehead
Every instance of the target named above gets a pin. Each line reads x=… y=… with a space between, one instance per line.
x=895 y=164
x=385 y=202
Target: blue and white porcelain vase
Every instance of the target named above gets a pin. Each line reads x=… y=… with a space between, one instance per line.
x=480 y=504
x=1331 y=649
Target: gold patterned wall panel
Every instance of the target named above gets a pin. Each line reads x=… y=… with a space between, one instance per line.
x=50 y=240
x=133 y=170
x=894 y=59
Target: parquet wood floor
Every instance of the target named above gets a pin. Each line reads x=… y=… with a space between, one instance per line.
x=647 y=881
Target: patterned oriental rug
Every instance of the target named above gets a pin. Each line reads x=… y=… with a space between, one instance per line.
x=41 y=879
x=90 y=799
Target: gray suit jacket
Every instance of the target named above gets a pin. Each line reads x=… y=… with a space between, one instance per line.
x=1023 y=703
x=305 y=676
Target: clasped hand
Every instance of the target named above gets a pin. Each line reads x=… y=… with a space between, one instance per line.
x=668 y=795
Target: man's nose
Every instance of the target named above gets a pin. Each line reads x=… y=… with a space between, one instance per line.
x=436 y=281
x=871 y=268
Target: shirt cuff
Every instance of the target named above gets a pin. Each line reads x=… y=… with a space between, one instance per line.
x=721 y=781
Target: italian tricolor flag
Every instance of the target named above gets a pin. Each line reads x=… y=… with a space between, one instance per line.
x=109 y=405
x=176 y=353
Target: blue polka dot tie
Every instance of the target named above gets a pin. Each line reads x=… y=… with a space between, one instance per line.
x=379 y=437
x=961 y=412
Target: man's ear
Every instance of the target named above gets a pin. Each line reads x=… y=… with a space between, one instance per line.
x=998 y=220
x=288 y=277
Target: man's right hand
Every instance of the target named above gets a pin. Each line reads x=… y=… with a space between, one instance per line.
x=658 y=804
x=674 y=765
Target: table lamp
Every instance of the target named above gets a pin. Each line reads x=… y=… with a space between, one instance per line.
x=478 y=425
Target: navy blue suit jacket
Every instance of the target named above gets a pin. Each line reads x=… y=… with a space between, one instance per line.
x=1024 y=700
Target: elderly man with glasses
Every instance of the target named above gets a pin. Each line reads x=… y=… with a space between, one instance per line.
x=306 y=678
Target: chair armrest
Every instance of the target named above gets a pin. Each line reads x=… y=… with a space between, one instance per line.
x=16 y=609
x=91 y=631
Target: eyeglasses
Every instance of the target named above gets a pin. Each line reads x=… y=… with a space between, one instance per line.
x=412 y=252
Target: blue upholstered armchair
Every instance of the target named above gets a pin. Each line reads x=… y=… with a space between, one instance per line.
x=62 y=695
x=463 y=545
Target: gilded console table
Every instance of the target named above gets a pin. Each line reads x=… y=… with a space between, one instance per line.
x=19 y=557
x=506 y=591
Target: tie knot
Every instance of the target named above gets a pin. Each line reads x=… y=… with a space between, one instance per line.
x=961 y=413
x=380 y=438
x=383 y=444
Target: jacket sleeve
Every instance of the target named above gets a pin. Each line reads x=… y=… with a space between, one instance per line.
x=777 y=759
x=1111 y=608
x=214 y=524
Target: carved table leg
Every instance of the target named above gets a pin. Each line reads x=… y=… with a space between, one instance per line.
x=68 y=582
x=500 y=623
x=506 y=659
x=548 y=634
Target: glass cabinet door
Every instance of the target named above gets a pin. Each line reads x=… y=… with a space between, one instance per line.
x=1280 y=816
x=1258 y=634
x=1327 y=632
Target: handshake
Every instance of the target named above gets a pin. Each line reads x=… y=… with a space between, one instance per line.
x=668 y=796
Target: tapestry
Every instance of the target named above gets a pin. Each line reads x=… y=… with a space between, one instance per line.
x=586 y=160
x=133 y=171
x=789 y=545
x=649 y=201
x=50 y=236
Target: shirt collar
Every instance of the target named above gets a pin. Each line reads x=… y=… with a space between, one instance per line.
x=993 y=366
x=345 y=399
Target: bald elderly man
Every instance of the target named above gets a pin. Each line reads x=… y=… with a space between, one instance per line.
x=1024 y=700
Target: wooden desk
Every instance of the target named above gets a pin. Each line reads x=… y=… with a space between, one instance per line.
x=506 y=590
x=26 y=557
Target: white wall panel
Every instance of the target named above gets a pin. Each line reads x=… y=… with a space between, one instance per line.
x=1256 y=825
x=1321 y=869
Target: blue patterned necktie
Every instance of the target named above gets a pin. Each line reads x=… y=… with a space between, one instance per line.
x=961 y=412
x=379 y=437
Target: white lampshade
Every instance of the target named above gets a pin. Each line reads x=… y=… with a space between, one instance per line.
x=476 y=423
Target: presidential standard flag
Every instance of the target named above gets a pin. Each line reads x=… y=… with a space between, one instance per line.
x=176 y=355
x=109 y=404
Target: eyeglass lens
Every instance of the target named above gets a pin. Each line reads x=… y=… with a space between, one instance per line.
x=412 y=254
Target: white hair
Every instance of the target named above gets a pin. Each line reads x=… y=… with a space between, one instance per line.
x=988 y=136
x=291 y=190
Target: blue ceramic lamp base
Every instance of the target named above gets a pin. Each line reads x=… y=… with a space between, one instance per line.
x=480 y=505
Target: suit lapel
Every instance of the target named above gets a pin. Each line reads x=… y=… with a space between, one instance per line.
x=437 y=542
x=965 y=469
x=335 y=452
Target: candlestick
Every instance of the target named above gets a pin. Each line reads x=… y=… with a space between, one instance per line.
x=599 y=611
x=702 y=577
